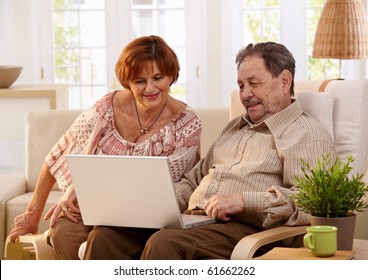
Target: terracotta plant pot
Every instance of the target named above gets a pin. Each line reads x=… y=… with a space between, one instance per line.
x=345 y=229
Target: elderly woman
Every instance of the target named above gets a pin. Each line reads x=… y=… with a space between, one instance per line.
x=140 y=120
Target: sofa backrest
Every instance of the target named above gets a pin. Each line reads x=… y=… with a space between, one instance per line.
x=349 y=115
x=43 y=130
x=213 y=122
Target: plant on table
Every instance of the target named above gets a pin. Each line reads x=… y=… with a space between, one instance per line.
x=327 y=190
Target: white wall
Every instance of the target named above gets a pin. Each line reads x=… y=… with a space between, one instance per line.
x=19 y=45
x=214 y=53
x=7 y=32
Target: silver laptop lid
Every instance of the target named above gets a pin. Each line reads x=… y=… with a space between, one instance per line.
x=126 y=191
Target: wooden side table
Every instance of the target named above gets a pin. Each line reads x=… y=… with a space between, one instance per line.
x=282 y=253
x=360 y=252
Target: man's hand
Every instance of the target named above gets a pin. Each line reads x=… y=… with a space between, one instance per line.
x=222 y=206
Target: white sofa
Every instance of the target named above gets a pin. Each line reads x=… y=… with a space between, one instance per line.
x=341 y=108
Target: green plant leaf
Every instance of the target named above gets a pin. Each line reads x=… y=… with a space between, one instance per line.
x=327 y=190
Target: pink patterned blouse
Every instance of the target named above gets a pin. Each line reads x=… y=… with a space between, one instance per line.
x=94 y=132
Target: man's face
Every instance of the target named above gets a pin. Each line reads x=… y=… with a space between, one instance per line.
x=261 y=94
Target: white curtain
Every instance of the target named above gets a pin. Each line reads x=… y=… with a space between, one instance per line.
x=21 y=25
x=7 y=31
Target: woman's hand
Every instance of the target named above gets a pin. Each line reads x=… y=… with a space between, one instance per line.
x=24 y=223
x=222 y=206
x=67 y=205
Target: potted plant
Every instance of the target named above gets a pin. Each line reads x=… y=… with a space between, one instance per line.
x=332 y=196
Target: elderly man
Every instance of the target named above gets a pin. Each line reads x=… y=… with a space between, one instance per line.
x=246 y=179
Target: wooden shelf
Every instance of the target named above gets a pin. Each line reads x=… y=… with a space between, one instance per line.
x=30 y=93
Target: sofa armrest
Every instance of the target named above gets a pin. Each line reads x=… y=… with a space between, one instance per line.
x=29 y=247
x=248 y=245
x=11 y=186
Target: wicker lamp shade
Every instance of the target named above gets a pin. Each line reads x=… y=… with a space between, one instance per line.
x=342 y=31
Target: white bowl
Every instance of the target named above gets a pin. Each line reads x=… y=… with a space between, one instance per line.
x=9 y=74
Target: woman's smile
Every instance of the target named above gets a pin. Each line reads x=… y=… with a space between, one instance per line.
x=151 y=96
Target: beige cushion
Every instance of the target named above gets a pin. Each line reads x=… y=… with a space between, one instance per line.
x=320 y=106
x=18 y=205
x=43 y=130
x=213 y=122
x=236 y=107
x=351 y=119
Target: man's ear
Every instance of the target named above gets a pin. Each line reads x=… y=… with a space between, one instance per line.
x=286 y=79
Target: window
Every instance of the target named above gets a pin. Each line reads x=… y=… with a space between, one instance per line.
x=79 y=49
x=84 y=53
x=261 y=20
x=165 y=18
x=206 y=35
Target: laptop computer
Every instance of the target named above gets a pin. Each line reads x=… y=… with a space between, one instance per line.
x=128 y=191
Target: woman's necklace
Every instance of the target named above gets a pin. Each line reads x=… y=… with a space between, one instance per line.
x=146 y=129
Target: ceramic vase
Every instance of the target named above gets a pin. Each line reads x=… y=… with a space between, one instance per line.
x=345 y=229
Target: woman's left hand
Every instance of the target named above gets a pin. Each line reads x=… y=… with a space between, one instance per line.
x=67 y=205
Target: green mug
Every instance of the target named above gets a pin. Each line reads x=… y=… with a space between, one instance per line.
x=321 y=240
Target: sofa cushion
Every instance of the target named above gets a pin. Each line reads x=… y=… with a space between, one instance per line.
x=320 y=106
x=236 y=107
x=18 y=205
x=351 y=120
x=43 y=130
x=213 y=122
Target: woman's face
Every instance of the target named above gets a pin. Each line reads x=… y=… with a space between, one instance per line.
x=150 y=88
